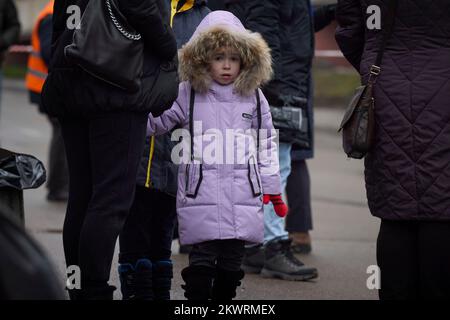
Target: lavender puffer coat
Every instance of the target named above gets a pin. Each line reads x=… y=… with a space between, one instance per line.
x=218 y=199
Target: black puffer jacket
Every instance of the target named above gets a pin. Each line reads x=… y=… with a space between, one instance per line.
x=288 y=26
x=9 y=26
x=69 y=91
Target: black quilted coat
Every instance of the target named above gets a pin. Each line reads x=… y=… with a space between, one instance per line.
x=408 y=170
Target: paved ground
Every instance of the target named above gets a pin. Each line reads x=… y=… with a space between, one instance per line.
x=343 y=238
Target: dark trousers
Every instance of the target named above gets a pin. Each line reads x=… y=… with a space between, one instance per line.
x=414 y=260
x=223 y=254
x=103 y=155
x=298 y=191
x=58 y=173
x=149 y=227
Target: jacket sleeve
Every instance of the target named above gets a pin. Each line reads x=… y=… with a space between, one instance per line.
x=176 y=115
x=268 y=162
x=45 y=36
x=147 y=17
x=323 y=16
x=351 y=30
x=11 y=27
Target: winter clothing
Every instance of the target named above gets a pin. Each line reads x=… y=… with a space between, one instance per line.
x=37 y=66
x=254 y=259
x=136 y=281
x=198 y=282
x=221 y=261
x=274 y=227
x=279 y=262
x=292 y=51
x=224 y=205
x=279 y=206
x=39 y=59
x=220 y=254
x=162 y=279
x=9 y=26
x=407 y=171
x=225 y=284
x=103 y=168
x=414 y=259
x=148 y=230
x=69 y=91
x=157 y=171
x=298 y=191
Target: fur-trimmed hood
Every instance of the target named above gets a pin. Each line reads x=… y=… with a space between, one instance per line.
x=222 y=28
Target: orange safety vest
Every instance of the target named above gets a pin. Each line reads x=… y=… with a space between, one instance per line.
x=37 y=69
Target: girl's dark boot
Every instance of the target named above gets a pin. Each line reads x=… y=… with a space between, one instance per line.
x=136 y=281
x=198 y=281
x=162 y=279
x=225 y=284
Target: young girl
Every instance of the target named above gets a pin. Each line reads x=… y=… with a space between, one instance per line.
x=220 y=204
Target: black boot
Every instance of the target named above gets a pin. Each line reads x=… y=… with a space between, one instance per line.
x=225 y=284
x=162 y=279
x=254 y=259
x=136 y=281
x=198 y=281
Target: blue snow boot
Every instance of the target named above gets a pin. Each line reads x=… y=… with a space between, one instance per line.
x=136 y=281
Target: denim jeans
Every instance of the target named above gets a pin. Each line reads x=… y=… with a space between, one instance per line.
x=273 y=224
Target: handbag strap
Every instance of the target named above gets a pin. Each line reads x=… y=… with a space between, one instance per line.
x=375 y=69
x=131 y=36
x=191 y=119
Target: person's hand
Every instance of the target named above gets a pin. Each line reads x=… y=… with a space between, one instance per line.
x=280 y=207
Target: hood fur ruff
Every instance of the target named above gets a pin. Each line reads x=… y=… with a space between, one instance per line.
x=215 y=32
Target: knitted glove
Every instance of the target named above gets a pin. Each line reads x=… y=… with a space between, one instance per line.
x=280 y=207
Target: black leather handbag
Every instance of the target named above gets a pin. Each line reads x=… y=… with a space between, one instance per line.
x=358 y=123
x=107 y=47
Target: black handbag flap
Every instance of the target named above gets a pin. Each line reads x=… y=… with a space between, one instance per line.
x=352 y=106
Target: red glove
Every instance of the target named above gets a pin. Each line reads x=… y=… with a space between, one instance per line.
x=280 y=207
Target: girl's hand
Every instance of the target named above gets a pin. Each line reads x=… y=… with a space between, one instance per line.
x=280 y=207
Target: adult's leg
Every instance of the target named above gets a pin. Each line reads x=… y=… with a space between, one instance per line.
x=76 y=139
x=434 y=260
x=116 y=142
x=397 y=258
x=58 y=177
x=299 y=219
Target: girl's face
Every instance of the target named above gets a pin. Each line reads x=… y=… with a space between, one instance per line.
x=225 y=65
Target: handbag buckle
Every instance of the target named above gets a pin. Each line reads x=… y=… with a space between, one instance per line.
x=374 y=73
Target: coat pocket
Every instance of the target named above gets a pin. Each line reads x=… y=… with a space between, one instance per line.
x=194 y=176
x=253 y=177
